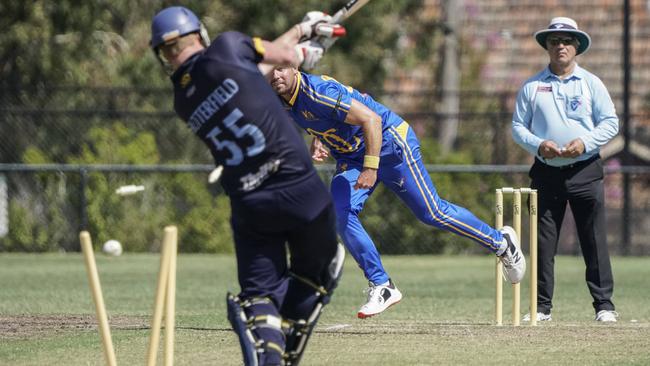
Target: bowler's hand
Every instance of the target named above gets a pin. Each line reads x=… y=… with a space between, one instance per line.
x=318 y=151
x=367 y=178
x=548 y=149
x=573 y=149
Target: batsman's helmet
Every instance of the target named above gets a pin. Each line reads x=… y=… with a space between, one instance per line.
x=174 y=22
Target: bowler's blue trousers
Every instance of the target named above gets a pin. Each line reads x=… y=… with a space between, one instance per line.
x=401 y=170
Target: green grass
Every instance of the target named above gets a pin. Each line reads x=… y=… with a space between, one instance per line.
x=47 y=314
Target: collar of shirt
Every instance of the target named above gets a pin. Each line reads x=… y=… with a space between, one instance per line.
x=578 y=73
x=185 y=67
x=295 y=92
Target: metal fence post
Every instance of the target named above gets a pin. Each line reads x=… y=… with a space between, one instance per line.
x=83 y=214
x=4 y=207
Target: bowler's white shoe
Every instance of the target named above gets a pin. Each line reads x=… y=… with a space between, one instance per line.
x=606 y=316
x=514 y=262
x=380 y=298
x=541 y=317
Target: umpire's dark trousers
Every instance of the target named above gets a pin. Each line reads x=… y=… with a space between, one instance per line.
x=581 y=186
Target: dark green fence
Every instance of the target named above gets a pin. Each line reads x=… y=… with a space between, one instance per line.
x=47 y=205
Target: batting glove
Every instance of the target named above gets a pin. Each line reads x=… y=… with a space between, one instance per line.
x=328 y=34
x=308 y=25
x=327 y=30
x=309 y=53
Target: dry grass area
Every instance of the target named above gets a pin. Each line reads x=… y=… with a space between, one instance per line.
x=47 y=315
x=30 y=326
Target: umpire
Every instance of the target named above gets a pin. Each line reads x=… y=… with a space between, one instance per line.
x=563 y=115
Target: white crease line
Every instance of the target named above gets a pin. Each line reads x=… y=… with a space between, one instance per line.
x=336 y=327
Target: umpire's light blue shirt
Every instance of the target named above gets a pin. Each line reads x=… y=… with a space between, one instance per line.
x=560 y=110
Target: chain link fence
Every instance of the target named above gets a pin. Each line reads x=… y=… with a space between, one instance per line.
x=64 y=151
x=46 y=206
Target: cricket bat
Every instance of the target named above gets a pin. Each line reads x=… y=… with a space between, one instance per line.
x=339 y=17
x=346 y=11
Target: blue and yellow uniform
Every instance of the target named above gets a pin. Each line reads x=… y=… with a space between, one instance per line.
x=320 y=105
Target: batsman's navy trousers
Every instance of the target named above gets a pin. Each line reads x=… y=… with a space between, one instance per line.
x=581 y=186
x=401 y=170
x=265 y=223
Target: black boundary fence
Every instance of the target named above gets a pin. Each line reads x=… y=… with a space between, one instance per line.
x=386 y=227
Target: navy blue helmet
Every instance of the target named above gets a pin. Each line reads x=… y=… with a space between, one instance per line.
x=174 y=22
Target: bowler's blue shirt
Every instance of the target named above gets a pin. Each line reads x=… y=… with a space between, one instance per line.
x=561 y=110
x=320 y=105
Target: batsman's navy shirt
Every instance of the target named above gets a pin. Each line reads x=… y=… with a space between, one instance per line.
x=227 y=102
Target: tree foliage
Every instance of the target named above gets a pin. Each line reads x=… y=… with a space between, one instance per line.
x=49 y=48
x=106 y=42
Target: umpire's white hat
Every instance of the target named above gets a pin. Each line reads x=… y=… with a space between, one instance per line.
x=564 y=25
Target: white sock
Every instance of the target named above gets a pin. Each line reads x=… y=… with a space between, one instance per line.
x=502 y=247
x=387 y=283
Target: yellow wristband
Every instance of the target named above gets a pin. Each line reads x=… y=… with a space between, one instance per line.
x=370 y=161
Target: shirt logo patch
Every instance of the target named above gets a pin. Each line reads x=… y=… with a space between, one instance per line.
x=190 y=91
x=308 y=116
x=185 y=80
x=334 y=141
x=575 y=103
x=543 y=88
